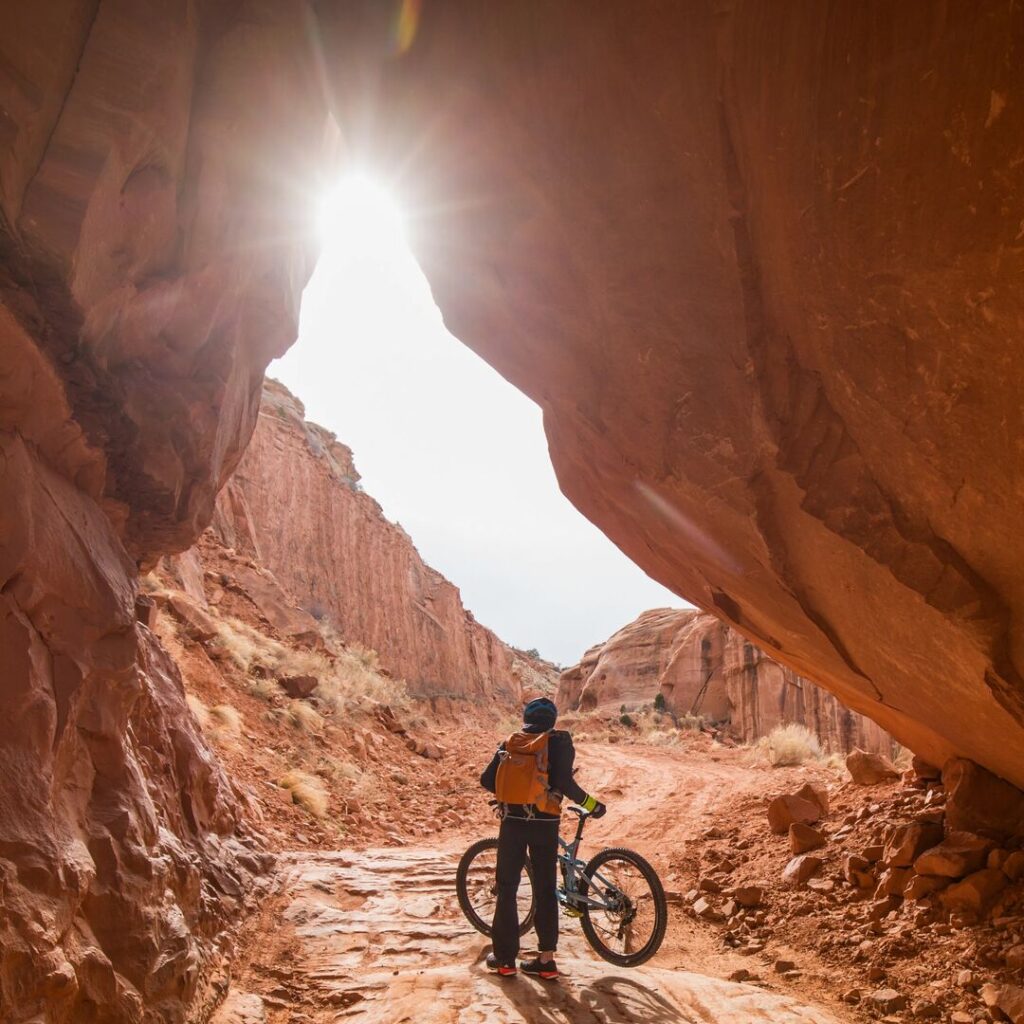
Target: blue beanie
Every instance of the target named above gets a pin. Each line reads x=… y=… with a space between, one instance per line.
x=540 y=712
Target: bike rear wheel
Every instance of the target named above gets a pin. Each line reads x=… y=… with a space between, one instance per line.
x=629 y=930
x=477 y=889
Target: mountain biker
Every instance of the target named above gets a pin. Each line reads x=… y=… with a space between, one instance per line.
x=534 y=828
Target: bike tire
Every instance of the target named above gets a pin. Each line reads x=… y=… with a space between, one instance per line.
x=653 y=944
x=462 y=891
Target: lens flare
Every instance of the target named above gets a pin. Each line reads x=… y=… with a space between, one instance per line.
x=360 y=215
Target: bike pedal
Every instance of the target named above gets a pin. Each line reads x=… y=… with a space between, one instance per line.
x=573 y=912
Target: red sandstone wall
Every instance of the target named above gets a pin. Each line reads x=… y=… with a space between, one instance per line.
x=296 y=505
x=701 y=665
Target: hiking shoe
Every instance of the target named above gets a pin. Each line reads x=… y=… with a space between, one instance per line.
x=495 y=966
x=539 y=969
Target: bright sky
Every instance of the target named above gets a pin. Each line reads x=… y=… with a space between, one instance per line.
x=449 y=448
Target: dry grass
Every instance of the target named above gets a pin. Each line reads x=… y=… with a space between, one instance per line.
x=307 y=791
x=264 y=689
x=222 y=724
x=199 y=710
x=226 y=721
x=299 y=715
x=790 y=744
x=350 y=681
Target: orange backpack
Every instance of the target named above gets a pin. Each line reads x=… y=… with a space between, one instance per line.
x=523 y=773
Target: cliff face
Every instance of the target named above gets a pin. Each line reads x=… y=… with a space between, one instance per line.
x=148 y=272
x=760 y=268
x=336 y=555
x=701 y=666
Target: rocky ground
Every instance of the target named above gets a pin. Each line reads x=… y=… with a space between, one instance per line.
x=366 y=933
x=795 y=893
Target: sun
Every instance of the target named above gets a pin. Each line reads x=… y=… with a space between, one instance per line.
x=360 y=216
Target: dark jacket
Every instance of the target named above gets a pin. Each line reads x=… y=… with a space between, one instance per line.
x=561 y=757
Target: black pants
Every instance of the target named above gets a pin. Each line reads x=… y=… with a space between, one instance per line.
x=515 y=838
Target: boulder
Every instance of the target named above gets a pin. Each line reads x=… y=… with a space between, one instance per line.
x=887 y=1000
x=908 y=842
x=957 y=855
x=749 y=896
x=783 y=811
x=1010 y=999
x=1015 y=957
x=800 y=869
x=974 y=894
x=1013 y=867
x=867 y=769
x=857 y=871
x=298 y=687
x=803 y=838
x=816 y=795
x=978 y=801
x=197 y=623
x=893 y=881
x=920 y=886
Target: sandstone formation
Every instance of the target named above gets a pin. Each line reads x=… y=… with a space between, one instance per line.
x=338 y=556
x=759 y=266
x=151 y=259
x=701 y=666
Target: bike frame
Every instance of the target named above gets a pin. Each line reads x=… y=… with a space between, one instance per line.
x=572 y=871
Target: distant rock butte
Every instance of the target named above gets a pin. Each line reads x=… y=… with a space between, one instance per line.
x=333 y=551
x=701 y=665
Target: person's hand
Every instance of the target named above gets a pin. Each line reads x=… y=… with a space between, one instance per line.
x=599 y=810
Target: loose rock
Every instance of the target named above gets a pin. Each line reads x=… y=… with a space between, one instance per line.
x=870 y=769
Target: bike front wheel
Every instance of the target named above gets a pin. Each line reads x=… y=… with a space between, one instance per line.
x=629 y=926
x=477 y=888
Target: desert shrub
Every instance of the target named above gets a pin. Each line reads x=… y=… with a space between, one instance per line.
x=659 y=701
x=902 y=757
x=350 y=683
x=199 y=710
x=307 y=791
x=366 y=656
x=264 y=689
x=221 y=724
x=789 y=745
x=303 y=716
x=226 y=721
x=690 y=723
x=627 y=720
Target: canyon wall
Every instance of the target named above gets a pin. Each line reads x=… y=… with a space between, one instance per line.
x=760 y=266
x=338 y=557
x=701 y=666
x=152 y=253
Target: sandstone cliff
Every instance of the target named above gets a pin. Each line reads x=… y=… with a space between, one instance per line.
x=152 y=255
x=759 y=264
x=337 y=555
x=701 y=666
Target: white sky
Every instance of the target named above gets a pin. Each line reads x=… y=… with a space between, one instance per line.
x=449 y=448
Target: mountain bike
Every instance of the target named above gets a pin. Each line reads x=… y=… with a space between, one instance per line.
x=616 y=895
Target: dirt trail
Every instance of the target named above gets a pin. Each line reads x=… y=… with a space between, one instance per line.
x=376 y=937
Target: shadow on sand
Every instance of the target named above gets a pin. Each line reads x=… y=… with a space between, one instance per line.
x=616 y=999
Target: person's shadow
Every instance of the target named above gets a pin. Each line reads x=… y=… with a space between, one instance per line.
x=613 y=999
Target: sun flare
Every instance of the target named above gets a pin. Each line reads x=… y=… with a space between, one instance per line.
x=360 y=215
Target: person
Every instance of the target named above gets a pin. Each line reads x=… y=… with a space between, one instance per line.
x=532 y=827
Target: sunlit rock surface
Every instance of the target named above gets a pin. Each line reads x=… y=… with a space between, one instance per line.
x=760 y=267
x=154 y=186
x=296 y=506
x=701 y=666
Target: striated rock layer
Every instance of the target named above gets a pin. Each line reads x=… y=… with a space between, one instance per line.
x=337 y=556
x=152 y=254
x=701 y=666
x=760 y=266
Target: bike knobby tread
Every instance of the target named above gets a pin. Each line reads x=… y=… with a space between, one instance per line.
x=660 y=905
